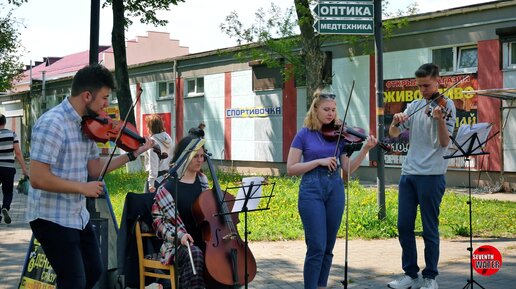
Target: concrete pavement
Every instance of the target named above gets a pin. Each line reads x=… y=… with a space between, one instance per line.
x=371 y=263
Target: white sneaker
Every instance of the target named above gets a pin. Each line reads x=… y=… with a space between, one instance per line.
x=405 y=282
x=429 y=284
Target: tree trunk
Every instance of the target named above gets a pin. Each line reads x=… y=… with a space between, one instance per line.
x=123 y=92
x=311 y=48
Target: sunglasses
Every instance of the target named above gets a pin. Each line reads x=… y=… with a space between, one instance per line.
x=327 y=95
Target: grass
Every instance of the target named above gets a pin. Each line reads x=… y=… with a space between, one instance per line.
x=491 y=218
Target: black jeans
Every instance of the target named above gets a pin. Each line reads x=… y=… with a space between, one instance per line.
x=73 y=254
x=7 y=182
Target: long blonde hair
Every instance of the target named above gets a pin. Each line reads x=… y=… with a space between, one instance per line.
x=311 y=121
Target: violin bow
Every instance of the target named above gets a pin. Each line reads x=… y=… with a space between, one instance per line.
x=124 y=124
x=435 y=98
x=344 y=119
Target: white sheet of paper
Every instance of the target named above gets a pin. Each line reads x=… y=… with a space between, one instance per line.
x=466 y=131
x=255 y=194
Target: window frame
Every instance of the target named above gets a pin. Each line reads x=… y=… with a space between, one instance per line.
x=169 y=94
x=456 y=54
x=460 y=51
x=196 y=91
x=508 y=47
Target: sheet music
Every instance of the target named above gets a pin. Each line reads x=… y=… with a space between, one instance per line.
x=255 y=194
x=465 y=133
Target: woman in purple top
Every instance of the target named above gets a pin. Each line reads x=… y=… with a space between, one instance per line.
x=321 y=192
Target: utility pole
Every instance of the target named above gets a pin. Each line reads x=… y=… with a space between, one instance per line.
x=94 y=31
x=380 y=129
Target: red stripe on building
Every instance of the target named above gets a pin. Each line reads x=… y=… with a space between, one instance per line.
x=179 y=109
x=289 y=99
x=490 y=77
x=227 y=120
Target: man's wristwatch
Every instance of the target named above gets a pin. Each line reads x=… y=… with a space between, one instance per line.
x=131 y=156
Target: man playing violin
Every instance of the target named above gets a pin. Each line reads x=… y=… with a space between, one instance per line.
x=422 y=181
x=62 y=159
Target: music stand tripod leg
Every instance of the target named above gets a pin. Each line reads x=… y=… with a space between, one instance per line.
x=349 y=149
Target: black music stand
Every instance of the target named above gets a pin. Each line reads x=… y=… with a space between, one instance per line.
x=470 y=141
x=349 y=149
x=245 y=202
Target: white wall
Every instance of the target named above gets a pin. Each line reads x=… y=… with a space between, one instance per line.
x=257 y=138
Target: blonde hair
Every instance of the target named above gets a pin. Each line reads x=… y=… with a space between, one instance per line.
x=311 y=121
x=154 y=124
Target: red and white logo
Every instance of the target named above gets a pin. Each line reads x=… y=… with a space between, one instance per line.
x=487 y=260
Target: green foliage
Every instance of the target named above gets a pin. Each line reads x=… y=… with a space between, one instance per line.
x=10 y=46
x=282 y=221
x=145 y=10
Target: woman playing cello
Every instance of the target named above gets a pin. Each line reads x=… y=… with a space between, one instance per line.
x=189 y=187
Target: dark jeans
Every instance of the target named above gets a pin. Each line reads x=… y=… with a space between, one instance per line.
x=427 y=192
x=7 y=181
x=73 y=254
x=320 y=205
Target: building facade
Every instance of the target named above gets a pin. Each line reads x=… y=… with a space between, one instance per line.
x=252 y=115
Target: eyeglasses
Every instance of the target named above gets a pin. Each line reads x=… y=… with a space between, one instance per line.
x=327 y=95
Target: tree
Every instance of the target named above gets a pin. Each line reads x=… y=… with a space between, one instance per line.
x=123 y=11
x=274 y=37
x=10 y=46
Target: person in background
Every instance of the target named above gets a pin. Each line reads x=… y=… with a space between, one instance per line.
x=10 y=148
x=62 y=159
x=189 y=188
x=197 y=131
x=422 y=181
x=321 y=192
x=154 y=164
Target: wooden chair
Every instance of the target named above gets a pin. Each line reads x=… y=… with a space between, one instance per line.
x=148 y=267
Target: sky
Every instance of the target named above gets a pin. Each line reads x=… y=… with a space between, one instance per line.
x=54 y=28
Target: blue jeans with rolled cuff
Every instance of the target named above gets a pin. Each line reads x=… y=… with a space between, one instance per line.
x=320 y=205
x=427 y=193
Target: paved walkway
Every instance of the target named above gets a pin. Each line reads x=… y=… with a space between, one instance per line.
x=371 y=263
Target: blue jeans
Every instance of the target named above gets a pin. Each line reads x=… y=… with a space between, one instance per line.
x=73 y=254
x=320 y=205
x=427 y=192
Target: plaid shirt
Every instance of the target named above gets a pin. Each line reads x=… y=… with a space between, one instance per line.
x=57 y=140
x=164 y=224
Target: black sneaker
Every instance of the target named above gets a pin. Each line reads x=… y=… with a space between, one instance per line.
x=7 y=218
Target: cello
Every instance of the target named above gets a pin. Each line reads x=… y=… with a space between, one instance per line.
x=226 y=258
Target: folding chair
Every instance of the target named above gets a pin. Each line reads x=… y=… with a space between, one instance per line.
x=150 y=267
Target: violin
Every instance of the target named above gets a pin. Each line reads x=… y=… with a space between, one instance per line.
x=102 y=128
x=438 y=100
x=332 y=131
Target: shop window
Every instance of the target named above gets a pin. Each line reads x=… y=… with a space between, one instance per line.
x=195 y=86
x=443 y=58
x=468 y=58
x=265 y=78
x=512 y=54
x=509 y=55
x=166 y=89
x=456 y=59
